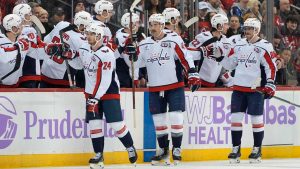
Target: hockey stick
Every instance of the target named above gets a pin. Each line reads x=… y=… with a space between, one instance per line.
x=296 y=7
x=17 y=65
x=190 y=22
x=133 y=5
x=257 y=83
x=66 y=60
x=38 y=23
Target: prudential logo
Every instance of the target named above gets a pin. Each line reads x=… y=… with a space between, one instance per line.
x=8 y=128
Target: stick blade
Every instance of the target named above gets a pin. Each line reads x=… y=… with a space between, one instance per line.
x=38 y=23
x=134 y=4
x=191 y=21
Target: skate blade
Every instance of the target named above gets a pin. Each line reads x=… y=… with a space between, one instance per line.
x=100 y=165
x=255 y=161
x=134 y=164
x=161 y=162
x=234 y=160
x=176 y=162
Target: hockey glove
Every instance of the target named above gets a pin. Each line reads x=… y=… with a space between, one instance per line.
x=193 y=79
x=131 y=51
x=269 y=89
x=227 y=79
x=207 y=51
x=67 y=54
x=22 y=44
x=92 y=106
x=53 y=49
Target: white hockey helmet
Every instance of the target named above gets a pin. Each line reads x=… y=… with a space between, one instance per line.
x=11 y=20
x=125 y=20
x=157 y=18
x=254 y=23
x=83 y=18
x=171 y=13
x=103 y=5
x=218 y=19
x=22 y=10
x=96 y=28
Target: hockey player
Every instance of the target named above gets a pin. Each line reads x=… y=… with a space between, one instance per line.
x=12 y=51
x=164 y=56
x=209 y=69
x=172 y=18
x=123 y=63
x=31 y=73
x=103 y=95
x=104 y=10
x=252 y=59
x=54 y=70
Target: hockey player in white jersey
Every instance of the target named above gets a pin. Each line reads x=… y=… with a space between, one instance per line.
x=54 y=70
x=122 y=39
x=31 y=73
x=164 y=56
x=103 y=94
x=12 y=51
x=172 y=18
x=104 y=11
x=200 y=48
x=252 y=60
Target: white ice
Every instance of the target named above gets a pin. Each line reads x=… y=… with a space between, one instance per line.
x=266 y=164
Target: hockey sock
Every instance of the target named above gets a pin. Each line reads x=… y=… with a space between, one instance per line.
x=236 y=128
x=97 y=135
x=122 y=133
x=258 y=129
x=176 y=120
x=161 y=129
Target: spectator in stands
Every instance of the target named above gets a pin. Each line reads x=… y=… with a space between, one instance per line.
x=290 y=33
x=2 y=30
x=43 y=17
x=35 y=8
x=239 y=9
x=79 y=5
x=254 y=8
x=215 y=5
x=152 y=6
x=203 y=10
x=278 y=43
x=297 y=66
x=234 y=26
x=165 y=4
x=281 y=74
x=227 y=4
x=58 y=15
x=285 y=10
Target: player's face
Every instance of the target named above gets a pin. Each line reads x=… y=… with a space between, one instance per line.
x=107 y=14
x=27 y=16
x=17 y=30
x=249 y=32
x=81 y=28
x=225 y=28
x=91 y=38
x=155 y=28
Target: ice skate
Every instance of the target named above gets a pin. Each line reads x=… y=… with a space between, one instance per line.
x=255 y=156
x=132 y=155
x=162 y=155
x=97 y=161
x=234 y=156
x=176 y=153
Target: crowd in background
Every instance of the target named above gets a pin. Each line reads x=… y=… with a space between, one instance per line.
x=286 y=20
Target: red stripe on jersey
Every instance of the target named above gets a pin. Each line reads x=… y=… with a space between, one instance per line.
x=166 y=87
x=96 y=131
x=9 y=86
x=182 y=59
x=176 y=126
x=54 y=81
x=257 y=125
x=98 y=81
x=245 y=89
x=192 y=49
x=207 y=84
x=160 y=128
x=231 y=52
x=122 y=130
x=271 y=65
x=236 y=124
x=28 y=78
x=110 y=97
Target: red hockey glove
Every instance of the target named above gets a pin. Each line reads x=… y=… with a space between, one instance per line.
x=269 y=89
x=92 y=106
x=207 y=51
x=22 y=44
x=193 y=80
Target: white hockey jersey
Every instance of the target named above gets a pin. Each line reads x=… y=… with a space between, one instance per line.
x=164 y=60
x=210 y=70
x=121 y=37
x=8 y=62
x=100 y=73
x=249 y=60
x=54 y=69
x=107 y=38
